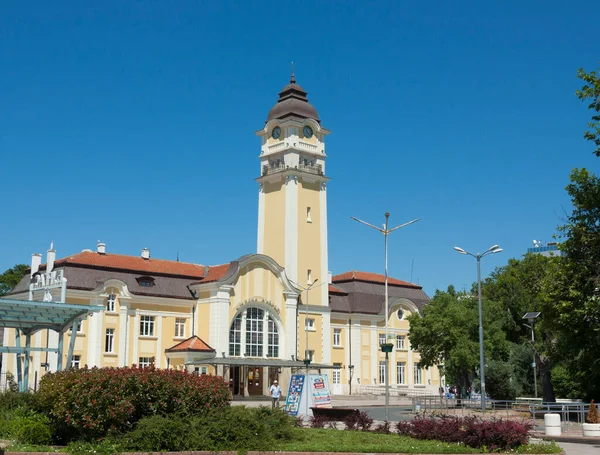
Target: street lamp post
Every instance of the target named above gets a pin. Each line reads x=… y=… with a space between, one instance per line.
x=386 y=231
x=306 y=351
x=531 y=317
x=491 y=250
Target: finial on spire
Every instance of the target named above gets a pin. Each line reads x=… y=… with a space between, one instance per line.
x=293 y=78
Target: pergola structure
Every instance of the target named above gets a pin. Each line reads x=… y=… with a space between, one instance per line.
x=30 y=316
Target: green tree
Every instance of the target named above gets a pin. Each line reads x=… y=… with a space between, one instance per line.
x=591 y=91
x=447 y=332
x=10 y=278
x=575 y=289
x=521 y=286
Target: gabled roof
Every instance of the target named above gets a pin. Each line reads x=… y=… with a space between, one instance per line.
x=369 y=277
x=364 y=293
x=131 y=264
x=192 y=344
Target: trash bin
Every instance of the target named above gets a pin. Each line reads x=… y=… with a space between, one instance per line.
x=552 y=424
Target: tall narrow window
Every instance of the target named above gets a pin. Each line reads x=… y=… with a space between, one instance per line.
x=308 y=218
x=401 y=373
x=179 y=327
x=110 y=303
x=337 y=337
x=109 y=343
x=382 y=372
x=235 y=336
x=273 y=339
x=309 y=324
x=145 y=362
x=254 y=332
x=309 y=276
x=147 y=326
x=400 y=341
x=382 y=338
x=337 y=373
x=417 y=373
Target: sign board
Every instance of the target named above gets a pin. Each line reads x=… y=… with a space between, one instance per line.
x=306 y=391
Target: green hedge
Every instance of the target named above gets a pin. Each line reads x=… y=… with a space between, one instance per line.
x=91 y=403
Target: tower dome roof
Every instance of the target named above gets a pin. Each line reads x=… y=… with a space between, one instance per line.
x=293 y=102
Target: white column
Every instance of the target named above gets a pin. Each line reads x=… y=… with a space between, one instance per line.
x=260 y=243
x=219 y=319
x=374 y=353
x=53 y=356
x=324 y=278
x=159 y=354
x=356 y=350
x=265 y=338
x=94 y=335
x=326 y=336
x=123 y=336
x=291 y=325
x=136 y=337
x=291 y=227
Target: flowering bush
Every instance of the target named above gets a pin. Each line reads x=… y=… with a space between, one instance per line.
x=91 y=403
x=495 y=434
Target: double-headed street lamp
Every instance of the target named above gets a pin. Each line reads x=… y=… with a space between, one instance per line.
x=386 y=231
x=491 y=250
x=531 y=317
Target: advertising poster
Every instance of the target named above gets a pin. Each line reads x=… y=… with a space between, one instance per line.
x=292 y=402
x=319 y=386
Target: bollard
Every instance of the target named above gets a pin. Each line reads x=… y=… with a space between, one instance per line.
x=552 y=424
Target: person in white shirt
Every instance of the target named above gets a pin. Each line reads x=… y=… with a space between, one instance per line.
x=275 y=391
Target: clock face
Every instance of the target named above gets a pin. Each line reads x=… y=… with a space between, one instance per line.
x=276 y=132
x=308 y=132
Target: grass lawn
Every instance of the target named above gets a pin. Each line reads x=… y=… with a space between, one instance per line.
x=322 y=440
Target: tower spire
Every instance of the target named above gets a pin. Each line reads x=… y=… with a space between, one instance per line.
x=292 y=78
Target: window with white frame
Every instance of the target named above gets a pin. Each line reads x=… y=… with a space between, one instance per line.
x=401 y=373
x=308 y=219
x=337 y=337
x=337 y=373
x=254 y=332
x=400 y=339
x=235 y=336
x=310 y=355
x=78 y=327
x=309 y=324
x=110 y=303
x=109 y=341
x=200 y=370
x=417 y=374
x=382 y=372
x=147 y=326
x=180 y=327
x=273 y=340
x=382 y=338
x=145 y=362
x=76 y=362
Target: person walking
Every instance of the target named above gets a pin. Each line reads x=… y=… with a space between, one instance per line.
x=275 y=391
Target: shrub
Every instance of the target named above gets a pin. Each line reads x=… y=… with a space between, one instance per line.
x=592 y=416
x=360 y=421
x=495 y=434
x=12 y=400
x=318 y=421
x=383 y=428
x=34 y=432
x=91 y=403
x=281 y=425
x=158 y=433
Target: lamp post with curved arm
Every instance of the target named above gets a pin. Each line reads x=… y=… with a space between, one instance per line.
x=386 y=231
x=491 y=250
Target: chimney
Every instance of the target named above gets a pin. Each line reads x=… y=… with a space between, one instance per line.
x=36 y=260
x=50 y=257
x=329 y=277
x=101 y=247
x=146 y=253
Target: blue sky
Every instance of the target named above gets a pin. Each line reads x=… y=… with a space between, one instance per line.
x=133 y=123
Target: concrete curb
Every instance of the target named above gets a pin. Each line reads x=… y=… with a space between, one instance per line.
x=567 y=438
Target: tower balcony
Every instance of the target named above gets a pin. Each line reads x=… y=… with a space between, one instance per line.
x=268 y=169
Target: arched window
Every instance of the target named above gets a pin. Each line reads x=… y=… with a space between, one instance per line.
x=254 y=332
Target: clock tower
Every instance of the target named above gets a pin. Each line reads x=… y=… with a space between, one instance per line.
x=292 y=201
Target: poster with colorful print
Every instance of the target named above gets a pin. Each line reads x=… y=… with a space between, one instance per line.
x=319 y=386
x=292 y=402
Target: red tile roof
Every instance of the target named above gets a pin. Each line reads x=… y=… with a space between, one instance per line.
x=191 y=344
x=372 y=278
x=133 y=263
